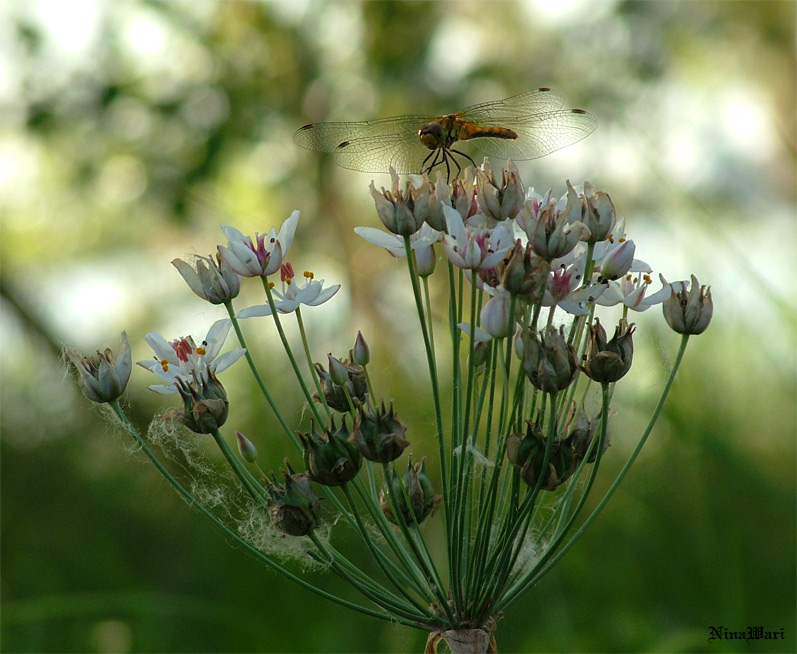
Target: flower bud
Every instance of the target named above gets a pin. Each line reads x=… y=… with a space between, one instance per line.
x=379 y=434
x=617 y=260
x=337 y=371
x=481 y=352
x=548 y=360
x=211 y=279
x=354 y=380
x=205 y=405
x=494 y=316
x=293 y=506
x=101 y=377
x=420 y=496
x=425 y=260
x=246 y=448
x=330 y=456
x=607 y=361
x=688 y=312
x=361 y=353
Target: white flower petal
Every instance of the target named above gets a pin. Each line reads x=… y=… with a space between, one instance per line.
x=479 y=335
x=324 y=295
x=256 y=311
x=379 y=237
x=227 y=359
x=163 y=389
x=288 y=229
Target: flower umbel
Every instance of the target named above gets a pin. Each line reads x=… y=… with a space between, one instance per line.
x=520 y=434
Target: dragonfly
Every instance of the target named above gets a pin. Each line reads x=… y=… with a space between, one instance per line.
x=525 y=126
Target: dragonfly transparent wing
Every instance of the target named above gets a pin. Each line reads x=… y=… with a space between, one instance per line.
x=536 y=117
x=371 y=147
x=524 y=104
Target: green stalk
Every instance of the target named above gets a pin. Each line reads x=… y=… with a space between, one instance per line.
x=309 y=359
x=289 y=351
x=259 y=379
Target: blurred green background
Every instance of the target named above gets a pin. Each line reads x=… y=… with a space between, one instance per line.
x=130 y=130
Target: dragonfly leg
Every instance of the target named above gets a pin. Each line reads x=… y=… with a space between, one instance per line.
x=424 y=169
x=436 y=161
x=456 y=163
x=463 y=154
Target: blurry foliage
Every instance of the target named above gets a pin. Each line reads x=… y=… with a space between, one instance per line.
x=175 y=116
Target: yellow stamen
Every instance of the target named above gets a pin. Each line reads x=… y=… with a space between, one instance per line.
x=309 y=275
x=201 y=350
x=164 y=364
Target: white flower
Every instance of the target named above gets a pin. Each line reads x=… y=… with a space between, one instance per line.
x=564 y=291
x=183 y=359
x=312 y=293
x=394 y=243
x=262 y=257
x=631 y=292
x=473 y=248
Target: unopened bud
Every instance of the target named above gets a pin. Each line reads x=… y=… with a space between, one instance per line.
x=425 y=260
x=361 y=353
x=337 y=371
x=617 y=261
x=246 y=448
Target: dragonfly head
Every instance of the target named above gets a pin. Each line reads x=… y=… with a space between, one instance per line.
x=432 y=135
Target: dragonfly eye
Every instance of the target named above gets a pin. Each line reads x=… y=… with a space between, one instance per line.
x=431 y=135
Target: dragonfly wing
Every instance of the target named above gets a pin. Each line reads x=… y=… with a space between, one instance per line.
x=372 y=146
x=538 y=134
x=524 y=104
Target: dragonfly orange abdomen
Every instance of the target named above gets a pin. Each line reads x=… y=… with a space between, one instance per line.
x=471 y=131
